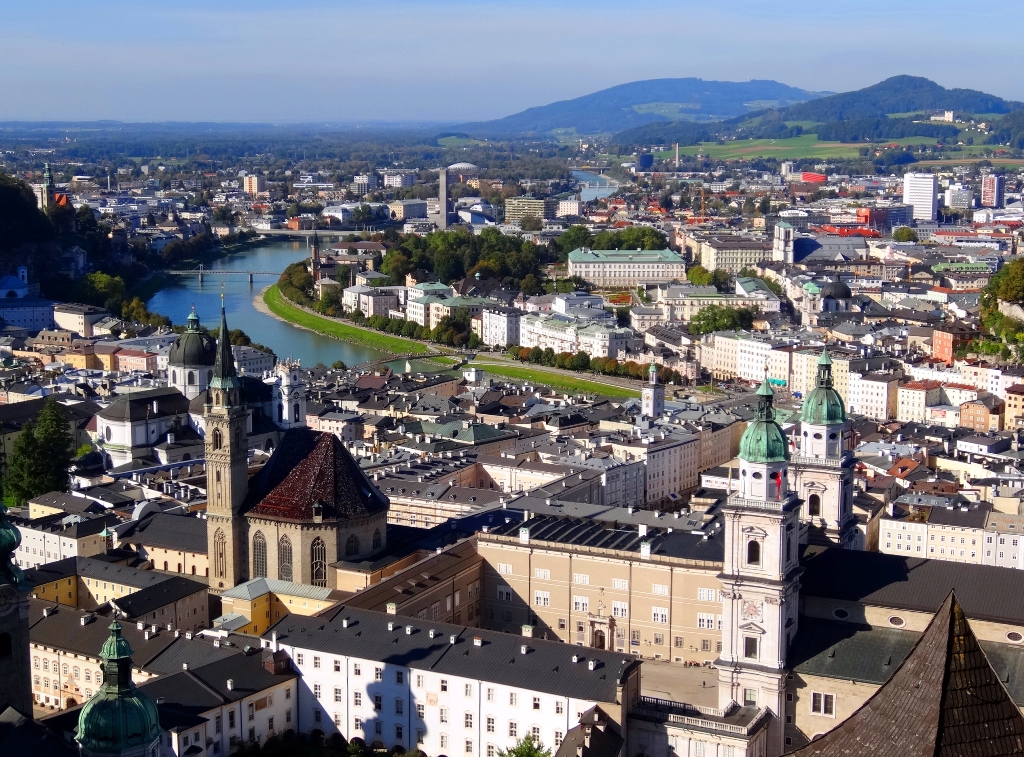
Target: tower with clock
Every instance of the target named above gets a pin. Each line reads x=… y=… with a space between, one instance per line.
x=760 y=574
x=652 y=402
x=15 y=675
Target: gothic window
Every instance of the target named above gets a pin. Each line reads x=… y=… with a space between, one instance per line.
x=352 y=546
x=219 y=554
x=284 y=559
x=295 y=413
x=318 y=553
x=218 y=439
x=191 y=378
x=814 y=505
x=259 y=556
x=376 y=539
x=217 y=476
x=753 y=553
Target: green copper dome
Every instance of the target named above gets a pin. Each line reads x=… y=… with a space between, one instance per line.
x=10 y=538
x=118 y=717
x=823 y=406
x=764 y=441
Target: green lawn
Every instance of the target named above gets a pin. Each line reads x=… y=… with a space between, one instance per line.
x=556 y=380
x=804 y=146
x=459 y=142
x=396 y=345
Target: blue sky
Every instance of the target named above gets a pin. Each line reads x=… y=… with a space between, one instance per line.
x=451 y=60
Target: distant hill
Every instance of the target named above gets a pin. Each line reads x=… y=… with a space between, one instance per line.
x=643 y=102
x=898 y=94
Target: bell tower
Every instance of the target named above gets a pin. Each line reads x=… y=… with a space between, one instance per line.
x=15 y=672
x=823 y=466
x=760 y=573
x=227 y=467
x=652 y=399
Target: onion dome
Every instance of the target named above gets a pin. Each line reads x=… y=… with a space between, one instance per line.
x=10 y=538
x=119 y=717
x=764 y=441
x=193 y=347
x=837 y=290
x=823 y=405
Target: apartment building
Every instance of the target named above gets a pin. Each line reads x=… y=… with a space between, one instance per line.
x=444 y=689
x=627 y=268
x=1014 y=405
x=921 y=192
x=946 y=339
x=570 y=208
x=398 y=180
x=914 y=397
x=377 y=302
x=1003 y=534
x=564 y=334
x=518 y=208
x=983 y=414
x=935 y=527
x=255 y=185
x=500 y=326
x=640 y=590
x=402 y=210
x=719 y=353
x=992 y=191
x=754 y=356
x=733 y=253
x=58 y=536
x=875 y=395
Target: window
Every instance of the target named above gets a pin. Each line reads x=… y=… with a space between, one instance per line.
x=420 y=711
x=318 y=553
x=378 y=702
x=352 y=546
x=490 y=750
x=705 y=620
x=753 y=553
x=420 y=735
x=706 y=595
x=468 y=690
x=750 y=697
x=284 y=558
x=376 y=540
x=634 y=638
x=357 y=698
x=660 y=589
x=542 y=598
x=620 y=583
x=231 y=718
x=399 y=706
x=444 y=714
x=468 y=720
x=677 y=642
x=513 y=699
x=337 y=694
x=581 y=578
x=357 y=723
x=316 y=662
x=620 y=609
x=490 y=695
x=356 y=669
x=535 y=732
x=558 y=738
x=504 y=594
x=750 y=647
x=505 y=568
x=659 y=614
x=542 y=573
x=513 y=730
x=823 y=704
x=378 y=674
x=399 y=676
x=444 y=740
x=337 y=666
x=490 y=725
x=298 y=658
x=580 y=604
x=536 y=703
x=559 y=707
x=419 y=682
x=444 y=684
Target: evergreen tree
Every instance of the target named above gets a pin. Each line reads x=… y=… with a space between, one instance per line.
x=41 y=456
x=24 y=468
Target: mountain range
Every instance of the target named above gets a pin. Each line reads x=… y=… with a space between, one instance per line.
x=681 y=110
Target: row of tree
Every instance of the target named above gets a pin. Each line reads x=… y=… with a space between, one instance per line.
x=582 y=362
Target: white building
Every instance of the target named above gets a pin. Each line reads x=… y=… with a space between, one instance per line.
x=251 y=361
x=627 y=268
x=443 y=688
x=568 y=208
x=399 y=180
x=921 y=191
x=564 y=334
x=500 y=326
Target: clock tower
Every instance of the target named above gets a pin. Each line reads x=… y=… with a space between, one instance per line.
x=15 y=674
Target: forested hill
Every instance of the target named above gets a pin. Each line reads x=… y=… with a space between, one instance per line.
x=898 y=94
x=641 y=102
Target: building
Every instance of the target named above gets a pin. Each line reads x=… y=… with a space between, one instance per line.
x=733 y=252
x=190 y=359
x=129 y=361
x=572 y=335
x=377 y=302
x=983 y=414
x=652 y=399
x=992 y=191
x=875 y=395
x=442 y=198
x=255 y=185
x=402 y=210
x=947 y=338
x=363 y=184
x=250 y=361
x=397 y=180
x=921 y=191
x=570 y=209
x=518 y=208
x=500 y=326
x=627 y=268
x=78 y=319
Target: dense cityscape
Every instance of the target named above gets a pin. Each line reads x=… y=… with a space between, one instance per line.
x=681 y=419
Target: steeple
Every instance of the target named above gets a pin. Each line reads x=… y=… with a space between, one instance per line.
x=765 y=402
x=225 y=378
x=193 y=321
x=653 y=374
x=119 y=719
x=47 y=176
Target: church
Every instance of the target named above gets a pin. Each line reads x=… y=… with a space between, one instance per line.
x=308 y=507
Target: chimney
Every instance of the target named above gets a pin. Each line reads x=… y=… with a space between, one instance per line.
x=408 y=630
x=591 y=664
x=231 y=684
x=140 y=625
x=528 y=631
x=392 y=609
x=643 y=529
x=645 y=550
x=184 y=666
x=273 y=641
x=523 y=649
x=524 y=536
x=477 y=641
x=451 y=639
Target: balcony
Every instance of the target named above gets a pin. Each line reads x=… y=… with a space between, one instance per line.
x=733 y=720
x=735 y=500
x=825 y=462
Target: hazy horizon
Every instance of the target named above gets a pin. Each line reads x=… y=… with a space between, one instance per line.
x=439 y=62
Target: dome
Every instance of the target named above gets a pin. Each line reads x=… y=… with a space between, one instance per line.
x=823 y=406
x=837 y=290
x=119 y=716
x=193 y=347
x=463 y=167
x=764 y=441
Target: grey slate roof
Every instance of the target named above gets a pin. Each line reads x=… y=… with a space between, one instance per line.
x=139 y=603
x=183 y=533
x=90 y=567
x=546 y=667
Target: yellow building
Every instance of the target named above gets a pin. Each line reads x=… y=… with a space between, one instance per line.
x=252 y=607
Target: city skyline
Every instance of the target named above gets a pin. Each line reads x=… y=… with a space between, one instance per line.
x=350 y=64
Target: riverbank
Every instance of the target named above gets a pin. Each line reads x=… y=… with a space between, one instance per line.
x=555 y=379
x=271 y=302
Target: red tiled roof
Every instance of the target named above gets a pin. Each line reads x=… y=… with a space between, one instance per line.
x=311 y=470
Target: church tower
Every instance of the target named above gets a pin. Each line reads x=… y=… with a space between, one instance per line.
x=15 y=673
x=652 y=399
x=823 y=466
x=289 y=389
x=760 y=572
x=314 y=258
x=227 y=467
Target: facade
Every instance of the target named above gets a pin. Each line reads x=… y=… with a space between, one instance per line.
x=402 y=210
x=570 y=208
x=190 y=359
x=652 y=398
x=500 y=326
x=733 y=252
x=564 y=334
x=518 y=208
x=250 y=361
x=627 y=268
x=255 y=185
x=377 y=302
x=921 y=191
x=992 y=191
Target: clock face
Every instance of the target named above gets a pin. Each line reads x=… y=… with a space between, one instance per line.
x=751 y=610
x=8 y=600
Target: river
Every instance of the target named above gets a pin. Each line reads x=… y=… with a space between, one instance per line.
x=284 y=339
x=600 y=186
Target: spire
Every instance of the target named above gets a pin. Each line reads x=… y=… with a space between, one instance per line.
x=825 y=369
x=765 y=398
x=224 y=376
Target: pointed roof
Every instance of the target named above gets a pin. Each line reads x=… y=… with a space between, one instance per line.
x=944 y=700
x=224 y=375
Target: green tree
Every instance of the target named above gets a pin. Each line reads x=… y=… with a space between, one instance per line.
x=574 y=238
x=527 y=747
x=699 y=275
x=718 y=318
x=530 y=223
x=339 y=365
x=581 y=361
x=904 y=234
x=536 y=355
x=41 y=456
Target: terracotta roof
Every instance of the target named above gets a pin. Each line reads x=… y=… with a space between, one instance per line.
x=945 y=699
x=312 y=470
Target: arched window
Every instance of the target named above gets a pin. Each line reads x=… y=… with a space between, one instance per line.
x=280 y=413
x=64 y=669
x=352 y=546
x=193 y=570
x=191 y=379
x=259 y=556
x=295 y=413
x=106 y=433
x=814 y=505
x=218 y=439
x=376 y=539
x=165 y=565
x=318 y=553
x=174 y=377
x=753 y=553
x=77 y=673
x=284 y=559
x=219 y=554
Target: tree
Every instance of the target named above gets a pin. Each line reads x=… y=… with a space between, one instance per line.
x=699 y=275
x=718 y=318
x=580 y=361
x=530 y=223
x=339 y=365
x=536 y=355
x=41 y=456
x=904 y=234
x=527 y=747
